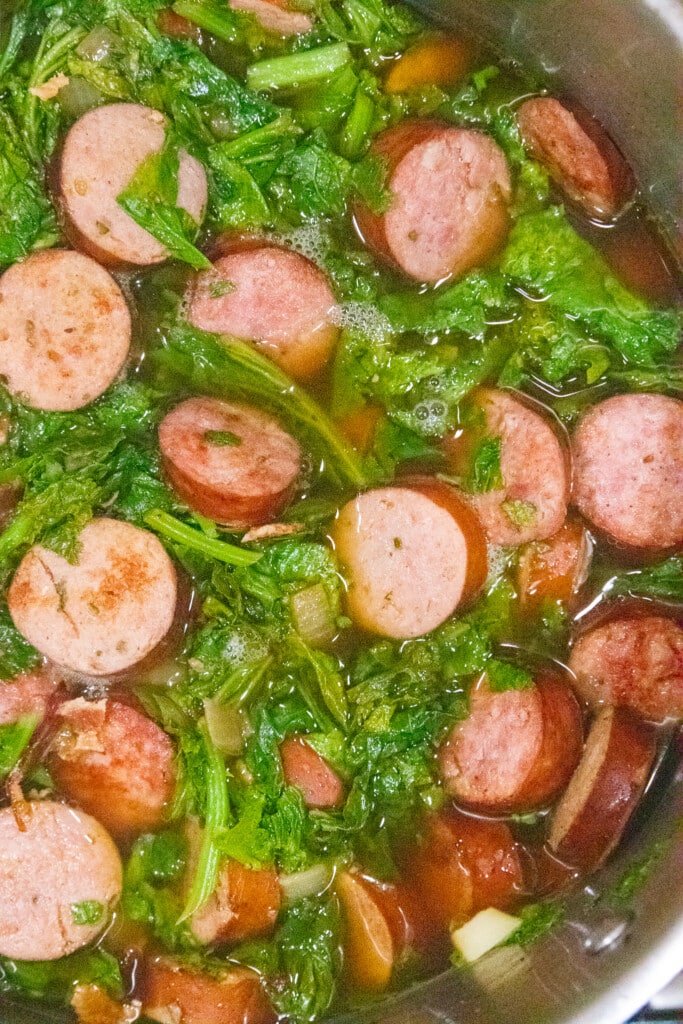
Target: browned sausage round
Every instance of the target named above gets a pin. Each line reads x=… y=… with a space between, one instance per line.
x=464 y=865
x=173 y=994
x=65 y=330
x=52 y=861
x=516 y=750
x=105 y=613
x=275 y=17
x=554 y=569
x=101 y=154
x=304 y=768
x=272 y=297
x=636 y=662
x=628 y=469
x=411 y=554
x=231 y=463
x=578 y=153
x=245 y=905
x=451 y=190
x=115 y=763
x=605 y=789
x=532 y=503
x=26 y=695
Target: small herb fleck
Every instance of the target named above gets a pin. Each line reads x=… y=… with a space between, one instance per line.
x=520 y=513
x=537 y=920
x=398 y=543
x=503 y=675
x=222 y=438
x=87 y=912
x=217 y=289
x=484 y=471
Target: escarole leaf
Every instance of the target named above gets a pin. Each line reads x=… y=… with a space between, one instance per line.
x=227 y=368
x=546 y=256
x=151 y=200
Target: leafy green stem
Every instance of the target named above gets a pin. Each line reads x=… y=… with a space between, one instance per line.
x=180 y=533
x=216 y=817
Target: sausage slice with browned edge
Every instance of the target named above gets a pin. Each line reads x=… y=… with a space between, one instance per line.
x=244 y=905
x=516 y=750
x=532 y=502
x=53 y=860
x=450 y=196
x=174 y=994
x=464 y=864
x=635 y=662
x=304 y=768
x=115 y=763
x=65 y=330
x=273 y=297
x=605 y=790
x=229 y=462
x=410 y=554
x=578 y=153
x=555 y=569
x=106 y=612
x=628 y=469
x=101 y=155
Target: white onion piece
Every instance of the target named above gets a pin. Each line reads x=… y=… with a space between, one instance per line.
x=226 y=727
x=311 y=882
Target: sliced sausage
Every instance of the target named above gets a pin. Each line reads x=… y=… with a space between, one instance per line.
x=554 y=570
x=26 y=695
x=591 y=816
x=628 y=469
x=101 y=155
x=115 y=763
x=463 y=865
x=411 y=555
x=65 y=330
x=174 y=994
x=304 y=768
x=368 y=943
x=245 y=905
x=532 y=503
x=275 y=16
x=273 y=297
x=578 y=153
x=451 y=191
x=516 y=749
x=52 y=863
x=635 y=662
x=105 y=613
x=231 y=463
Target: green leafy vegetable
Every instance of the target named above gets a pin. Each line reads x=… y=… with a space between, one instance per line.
x=663 y=581
x=503 y=675
x=55 y=980
x=14 y=739
x=546 y=256
x=87 y=912
x=299 y=68
x=174 y=530
x=484 y=471
x=151 y=199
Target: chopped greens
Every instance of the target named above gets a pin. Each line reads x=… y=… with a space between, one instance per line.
x=284 y=128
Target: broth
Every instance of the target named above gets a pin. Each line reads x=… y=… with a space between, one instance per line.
x=387 y=829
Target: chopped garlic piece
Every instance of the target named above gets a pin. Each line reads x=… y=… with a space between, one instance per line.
x=481 y=933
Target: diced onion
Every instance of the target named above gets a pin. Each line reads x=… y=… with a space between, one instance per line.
x=482 y=932
x=98 y=44
x=311 y=882
x=78 y=97
x=226 y=727
x=312 y=614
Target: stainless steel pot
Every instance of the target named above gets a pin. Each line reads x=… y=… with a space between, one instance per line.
x=623 y=60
